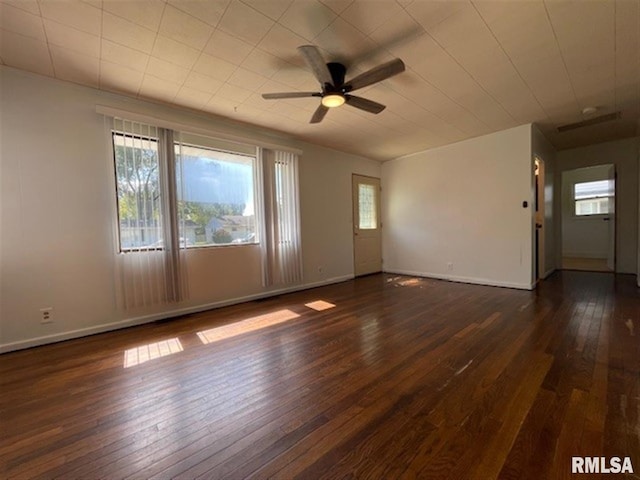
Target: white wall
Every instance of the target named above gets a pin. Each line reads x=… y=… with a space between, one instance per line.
x=56 y=242
x=542 y=148
x=462 y=204
x=583 y=237
x=624 y=155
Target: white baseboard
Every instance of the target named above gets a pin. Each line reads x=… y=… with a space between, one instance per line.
x=472 y=280
x=131 y=322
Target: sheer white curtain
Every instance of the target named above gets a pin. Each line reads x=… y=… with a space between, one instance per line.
x=280 y=242
x=148 y=260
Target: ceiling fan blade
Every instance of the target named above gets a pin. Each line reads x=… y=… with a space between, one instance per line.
x=364 y=104
x=376 y=74
x=318 y=66
x=319 y=114
x=271 y=96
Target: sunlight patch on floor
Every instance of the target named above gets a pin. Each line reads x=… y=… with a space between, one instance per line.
x=320 y=305
x=151 y=351
x=244 y=326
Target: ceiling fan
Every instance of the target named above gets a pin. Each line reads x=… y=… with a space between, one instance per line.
x=335 y=91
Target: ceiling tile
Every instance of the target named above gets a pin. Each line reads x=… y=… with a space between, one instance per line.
x=399 y=29
x=298 y=78
x=125 y=56
x=74 y=14
x=585 y=33
x=204 y=83
x=75 y=67
x=143 y=12
x=228 y=47
x=209 y=11
x=192 y=98
x=184 y=28
x=627 y=59
x=247 y=79
x=429 y=14
x=30 y=6
x=283 y=43
x=233 y=92
x=307 y=18
x=25 y=53
x=166 y=71
x=175 y=52
x=262 y=63
x=19 y=21
x=119 y=78
x=214 y=67
x=158 y=89
x=246 y=23
x=337 y=6
x=369 y=15
x=271 y=8
x=72 y=39
x=123 y=32
x=345 y=42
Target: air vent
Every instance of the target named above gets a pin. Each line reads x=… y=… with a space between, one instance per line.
x=592 y=121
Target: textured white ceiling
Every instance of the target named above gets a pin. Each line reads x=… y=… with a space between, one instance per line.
x=473 y=67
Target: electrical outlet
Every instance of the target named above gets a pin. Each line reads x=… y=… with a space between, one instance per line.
x=450 y=266
x=46 y=315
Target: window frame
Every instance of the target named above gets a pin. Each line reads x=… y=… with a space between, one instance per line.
x=575 y=201
x=254 y=164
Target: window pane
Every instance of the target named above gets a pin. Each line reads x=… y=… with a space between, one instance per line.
x=367 y=207
x=138 y=189
x=600 y=188
x=215 y=197
x=592 y=206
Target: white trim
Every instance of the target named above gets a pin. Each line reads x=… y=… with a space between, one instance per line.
x=548 y=272
x=130 y=322
x=594 y=255
x=183 y=127
x=472 y=280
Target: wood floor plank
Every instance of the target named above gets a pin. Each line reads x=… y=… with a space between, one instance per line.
x=402 y=378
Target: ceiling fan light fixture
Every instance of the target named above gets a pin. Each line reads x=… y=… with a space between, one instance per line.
x=332 y=100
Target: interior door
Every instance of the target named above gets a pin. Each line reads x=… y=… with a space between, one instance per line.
x=611 y=253
x=367 y=237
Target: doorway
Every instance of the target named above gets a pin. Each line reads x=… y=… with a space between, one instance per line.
x=588 y=218
x=367 y=237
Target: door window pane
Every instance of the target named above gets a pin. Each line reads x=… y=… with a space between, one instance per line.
x=368 y=213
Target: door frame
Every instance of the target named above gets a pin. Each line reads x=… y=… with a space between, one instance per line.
x=354 y=218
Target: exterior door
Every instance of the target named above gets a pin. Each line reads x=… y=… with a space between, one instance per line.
x=367 y=238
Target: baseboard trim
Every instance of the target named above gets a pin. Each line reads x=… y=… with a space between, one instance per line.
x=458 y=279
x=132 y=322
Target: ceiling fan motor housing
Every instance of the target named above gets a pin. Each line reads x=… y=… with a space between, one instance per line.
x=337 y=71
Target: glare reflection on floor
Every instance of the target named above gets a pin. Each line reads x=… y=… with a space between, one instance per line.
x=247 y=325
x=151 y=351
x=319 y=305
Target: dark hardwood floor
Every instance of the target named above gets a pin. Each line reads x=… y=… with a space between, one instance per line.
x=402 y=378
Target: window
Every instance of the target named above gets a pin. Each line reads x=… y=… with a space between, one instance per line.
x=215 y=196
x=138 y=190
x=593 y=198
x=367 y=204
